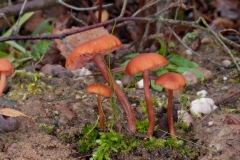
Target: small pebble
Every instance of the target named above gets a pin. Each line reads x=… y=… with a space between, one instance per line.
x=190 y=78
x=63 y=120
x=209 y=130
x=226 y=63
x=203 y=93
x=119 y=83
x=224 y=88
x=139 y=84
x=210 y=123
x=225 y=78
x=189 y=52
x=139 y=110
x=206 y=40
x=56 y=112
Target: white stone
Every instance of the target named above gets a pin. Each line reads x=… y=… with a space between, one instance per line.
x=119 y=82
x=139 y=84
x=210 y=123
x=225 y=78
x=185 y=117
x=189 y=52
x=203 y=93
x=81 y=72
x=202 y=106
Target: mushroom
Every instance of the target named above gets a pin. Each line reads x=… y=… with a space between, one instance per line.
x=6 y=69
x=94 y=50
x=143 y=63
x=171 y=81
x=100 y=90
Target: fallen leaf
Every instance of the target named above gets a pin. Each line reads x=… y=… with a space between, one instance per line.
x=65 y=110
x=77 y=39
x=14 y=113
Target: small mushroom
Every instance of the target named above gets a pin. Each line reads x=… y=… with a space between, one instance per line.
x=144 y=63
x=100 y=90
x=6 y=69
x=171 y=81
x=95 y=50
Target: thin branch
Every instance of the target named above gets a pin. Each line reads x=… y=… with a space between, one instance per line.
x=30 y=6
x=221 y=42
x=121 y=19
x=123 y=8
x=15 y=30
x=228 y=97
x=100 y=11
x=82 y=9
x=190 y=48
x=76 y=19
x=145 y=7
x=2 y=15
x=90 y=12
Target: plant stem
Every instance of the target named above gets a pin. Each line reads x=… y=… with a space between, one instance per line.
x=131 y=120
x=170 y=116
x=100 y=111
x=150 y=110
x=2 y=82
x=100 y=11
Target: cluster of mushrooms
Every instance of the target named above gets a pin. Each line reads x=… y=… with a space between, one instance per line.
x=142 y=63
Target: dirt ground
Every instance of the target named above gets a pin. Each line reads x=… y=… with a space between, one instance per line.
x=61 y=102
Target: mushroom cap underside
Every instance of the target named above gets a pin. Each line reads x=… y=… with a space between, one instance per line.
x=85 y=52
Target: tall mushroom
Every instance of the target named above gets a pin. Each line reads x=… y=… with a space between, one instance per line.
x=94 y=50
x=100 y=90
x=171 y=81
x=6 y=69
x=143 y=63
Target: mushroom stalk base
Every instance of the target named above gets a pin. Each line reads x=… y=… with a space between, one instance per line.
x=100 y=111
x=131 y=120
x=170 y=116
x=150 y=109
x=2 y=82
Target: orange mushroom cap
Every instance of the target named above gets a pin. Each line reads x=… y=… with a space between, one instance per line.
x=85 y=52
x=6 y=66
x=145 y=61
x=171 y=80
x=99 y=89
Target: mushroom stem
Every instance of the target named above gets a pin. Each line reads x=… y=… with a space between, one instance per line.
x=169 y=113
x=150 y=110
x=131 y=120
x=100 y=111
x=2 y=82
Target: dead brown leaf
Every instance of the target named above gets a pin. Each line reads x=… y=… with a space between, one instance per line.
x=77 y=39
x=65 y=110
x=14 y=113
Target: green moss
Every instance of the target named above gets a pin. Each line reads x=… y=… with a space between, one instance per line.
x=182 y=125
x=190 y=36
x=179 y=145
x=26 y=83
x=113 y=142
x=144 y=105
x=142 y=126
x=88 y=139
x=47 y=128
x=152 y=143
